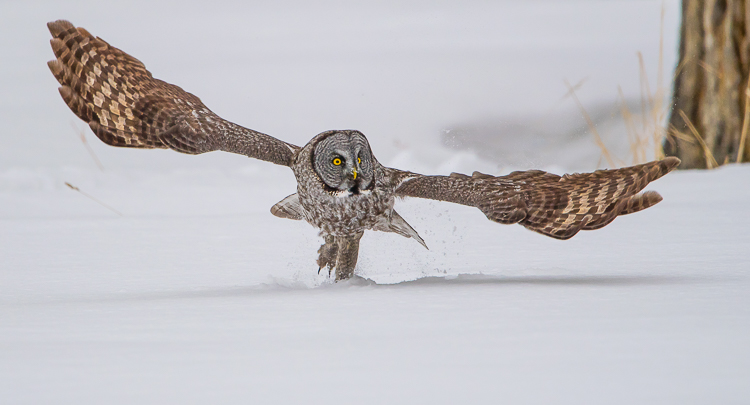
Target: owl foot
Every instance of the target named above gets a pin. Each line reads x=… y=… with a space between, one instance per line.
x=339 y=253
x=348 y=251
x=327 y=254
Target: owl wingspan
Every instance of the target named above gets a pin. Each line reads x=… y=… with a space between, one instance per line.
x=125 y=106
x=556 y=206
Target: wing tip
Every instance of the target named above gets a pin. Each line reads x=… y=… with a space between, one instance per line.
x=640 y=202
x=653 y=196
x=55 y=66
x=420 y=240
x=66 y=92
x=58 y=27
x=670 y=163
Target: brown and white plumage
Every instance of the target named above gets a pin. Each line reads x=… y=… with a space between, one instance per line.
x=125 y=106
x=556 y=206
x=341 y=188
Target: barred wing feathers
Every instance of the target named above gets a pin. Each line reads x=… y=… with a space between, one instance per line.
x=556 y=206
x=125 y=106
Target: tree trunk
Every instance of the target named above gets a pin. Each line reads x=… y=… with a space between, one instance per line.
x=709 y=100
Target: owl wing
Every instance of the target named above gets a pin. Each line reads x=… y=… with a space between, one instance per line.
x=125 y=106
x=556 y=206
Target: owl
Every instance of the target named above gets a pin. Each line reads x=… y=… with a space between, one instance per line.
x=342 y=189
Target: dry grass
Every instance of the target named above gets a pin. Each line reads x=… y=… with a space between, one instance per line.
x=651 y=133
x=653 y=112
x=592 y=126
x=82 y=135
x=93 y=199
x=710 y=70
x=745 y=124
x=637 y=148
x=675 y=133
x=710 y=161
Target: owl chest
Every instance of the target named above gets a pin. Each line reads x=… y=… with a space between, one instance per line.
x=347 y=215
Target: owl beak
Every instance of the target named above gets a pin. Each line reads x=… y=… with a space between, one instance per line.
x=354 y=174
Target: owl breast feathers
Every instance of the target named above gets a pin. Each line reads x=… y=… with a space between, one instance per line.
x=342 y=190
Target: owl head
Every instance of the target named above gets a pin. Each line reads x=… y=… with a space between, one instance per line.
x=344 y=162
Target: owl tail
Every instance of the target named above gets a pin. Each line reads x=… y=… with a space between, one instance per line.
x=400 y=226
x=289 y=208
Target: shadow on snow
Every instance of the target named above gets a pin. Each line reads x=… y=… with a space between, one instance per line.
x=288 y=286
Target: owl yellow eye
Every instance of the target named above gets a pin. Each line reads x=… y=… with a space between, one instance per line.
x=337 y=162
x=359 y=160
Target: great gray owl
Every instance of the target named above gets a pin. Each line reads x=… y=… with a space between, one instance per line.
x=341 y=188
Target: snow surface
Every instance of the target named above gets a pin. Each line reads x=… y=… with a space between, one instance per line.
x=198 y=295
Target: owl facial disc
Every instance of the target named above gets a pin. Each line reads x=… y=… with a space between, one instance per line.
x=343 y=161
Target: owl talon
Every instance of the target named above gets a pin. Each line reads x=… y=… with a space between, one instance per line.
x=327 y=254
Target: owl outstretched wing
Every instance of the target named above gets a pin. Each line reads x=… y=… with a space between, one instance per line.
x=125 y=106
x=556 y=206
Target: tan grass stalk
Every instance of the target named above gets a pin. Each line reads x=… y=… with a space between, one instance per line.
x=679 y=68
x=652 y=104
x=710 y=70
x=745 y=124
x=660 y=73
x=94 y=199
x=592 y=127
x=82 y=135
x=658 y=110
x=681 y=136
x=645 y=90
x=710 y=161
x=633 y=138
x=576 y=86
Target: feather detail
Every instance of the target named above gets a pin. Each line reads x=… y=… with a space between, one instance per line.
x=556 y=206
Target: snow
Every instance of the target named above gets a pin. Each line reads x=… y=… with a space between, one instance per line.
x=197 y=294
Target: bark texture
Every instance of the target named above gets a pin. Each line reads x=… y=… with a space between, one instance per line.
x=710 y=84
